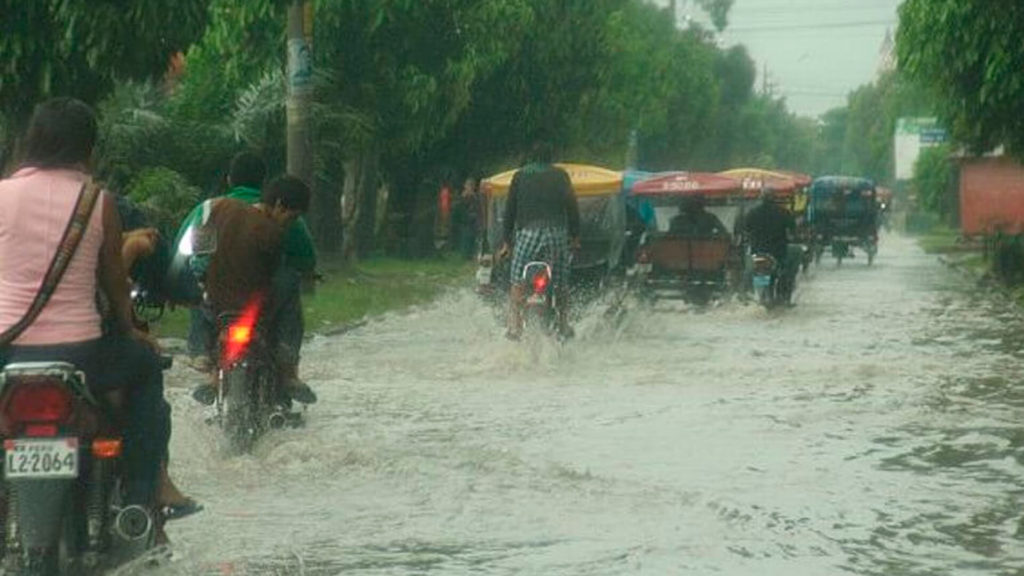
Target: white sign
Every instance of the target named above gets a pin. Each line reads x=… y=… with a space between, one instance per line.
x=912 y=135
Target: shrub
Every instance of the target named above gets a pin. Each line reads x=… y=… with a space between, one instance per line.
x=164 y=195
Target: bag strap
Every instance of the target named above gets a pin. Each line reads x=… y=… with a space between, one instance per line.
x=69 y=242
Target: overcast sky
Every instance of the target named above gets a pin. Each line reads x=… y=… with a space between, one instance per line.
x=815 y=51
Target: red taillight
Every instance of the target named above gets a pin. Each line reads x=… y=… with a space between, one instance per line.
x=106 y=448
x=42 y=403
x=540 y=282
x=240 y=334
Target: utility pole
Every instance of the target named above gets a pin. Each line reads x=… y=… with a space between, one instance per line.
x=300 y=90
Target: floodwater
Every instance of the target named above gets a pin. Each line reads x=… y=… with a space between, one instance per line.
x=877 y=429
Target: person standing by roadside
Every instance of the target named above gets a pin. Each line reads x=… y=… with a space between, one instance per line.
x=467 y=218
x=542 y=220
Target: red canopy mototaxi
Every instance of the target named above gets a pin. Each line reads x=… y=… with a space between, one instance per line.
x=683 y=184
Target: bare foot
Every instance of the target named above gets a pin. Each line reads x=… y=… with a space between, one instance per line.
x=167 y=494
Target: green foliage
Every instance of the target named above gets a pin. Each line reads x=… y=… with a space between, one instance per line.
x=433 y=90
x=409 y=67
x=1006 y=254
x=79 y=48
x=933 y=179
x=259 y=119
x=164 y=195
x=138 y=130
x=243 y=41
x=857 y=139
x=969 y=52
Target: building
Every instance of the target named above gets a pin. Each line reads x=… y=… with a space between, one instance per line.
x=991 y=190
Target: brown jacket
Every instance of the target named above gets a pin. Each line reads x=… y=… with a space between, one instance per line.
x=248 y=252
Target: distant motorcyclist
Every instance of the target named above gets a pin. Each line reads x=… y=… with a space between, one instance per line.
x=695 y=221
x=542 y=220
x=768 y=228
x=245 y=267
x=246 y=177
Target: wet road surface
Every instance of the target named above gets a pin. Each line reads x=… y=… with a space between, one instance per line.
x=877 y=429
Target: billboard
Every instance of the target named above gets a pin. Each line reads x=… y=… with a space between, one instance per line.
x=913 y=134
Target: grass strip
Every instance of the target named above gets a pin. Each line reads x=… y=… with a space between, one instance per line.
x=351 y=294
x=940 y=240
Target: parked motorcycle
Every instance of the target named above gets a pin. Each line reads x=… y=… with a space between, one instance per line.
x=62 y=510
x=250 y=400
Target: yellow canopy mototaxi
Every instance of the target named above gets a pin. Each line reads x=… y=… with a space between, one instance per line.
x=602 y=215
x=602 y=211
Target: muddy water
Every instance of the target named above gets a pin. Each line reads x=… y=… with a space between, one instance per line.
x=877 y=428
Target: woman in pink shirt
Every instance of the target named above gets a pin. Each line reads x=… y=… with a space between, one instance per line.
x=36 y=203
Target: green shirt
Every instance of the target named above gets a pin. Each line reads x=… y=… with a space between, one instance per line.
x=298 y=251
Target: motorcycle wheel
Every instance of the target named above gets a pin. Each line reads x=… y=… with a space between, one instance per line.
x=239 y=417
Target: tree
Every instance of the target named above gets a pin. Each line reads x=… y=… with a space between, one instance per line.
x=718 y=10
x=243 y=42
x=970 y=52
x=402 y=73
x=78 y=48
x=933 y=181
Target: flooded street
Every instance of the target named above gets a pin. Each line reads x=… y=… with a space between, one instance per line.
x=877 y=429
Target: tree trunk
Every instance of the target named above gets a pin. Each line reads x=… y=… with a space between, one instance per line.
x=325 y=216
x=357 y=199
x=365 y=224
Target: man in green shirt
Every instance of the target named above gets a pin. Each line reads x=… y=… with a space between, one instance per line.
x=245 y=178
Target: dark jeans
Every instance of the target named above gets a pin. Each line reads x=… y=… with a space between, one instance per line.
x=120 y=363
x=283 y=312
x=201 y=331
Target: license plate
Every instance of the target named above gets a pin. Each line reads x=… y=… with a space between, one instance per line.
x=762 y=281
x=45 y=459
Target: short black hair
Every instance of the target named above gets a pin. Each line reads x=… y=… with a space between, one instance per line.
x=61 y=134
x=288 y=191
x=247 y=169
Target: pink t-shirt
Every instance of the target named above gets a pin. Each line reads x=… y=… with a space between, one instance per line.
x=35 y=206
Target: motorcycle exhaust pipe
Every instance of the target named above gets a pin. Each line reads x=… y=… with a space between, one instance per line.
x=133 y=528
x=276 y=421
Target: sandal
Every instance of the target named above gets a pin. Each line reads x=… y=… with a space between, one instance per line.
x=182 y=510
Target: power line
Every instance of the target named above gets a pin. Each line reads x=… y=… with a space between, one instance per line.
x=829 y=26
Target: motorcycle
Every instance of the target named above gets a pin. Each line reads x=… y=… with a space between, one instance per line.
x=63 y=511
x=249 y=400
x=771 y=288
x=540 y=309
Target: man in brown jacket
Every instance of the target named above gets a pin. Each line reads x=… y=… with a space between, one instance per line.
x=247 y=256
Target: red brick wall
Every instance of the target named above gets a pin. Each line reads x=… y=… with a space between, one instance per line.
x=991 y=196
